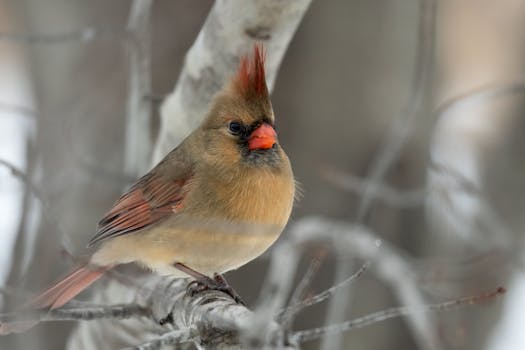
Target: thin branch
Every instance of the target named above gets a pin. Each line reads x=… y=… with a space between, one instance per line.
x=46 y=208
x=403 y=122
x=376 y=190
x=295 y=308
x=286 y=317
x=22 y=249
x=478 y=95
x=20 y=322
x=316 y=333
x=20 y=174
x=179 y=336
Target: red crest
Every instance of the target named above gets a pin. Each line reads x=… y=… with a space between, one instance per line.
x=251 y=78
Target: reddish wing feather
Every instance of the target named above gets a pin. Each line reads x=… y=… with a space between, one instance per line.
x=157 y=195
x=151 y=199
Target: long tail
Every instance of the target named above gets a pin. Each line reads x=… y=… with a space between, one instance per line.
x=67 y=288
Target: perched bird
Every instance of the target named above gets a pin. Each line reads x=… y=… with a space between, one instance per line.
x=214 y=203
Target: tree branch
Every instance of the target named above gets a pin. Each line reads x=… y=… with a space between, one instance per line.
x=316 y=333
x=20 y=321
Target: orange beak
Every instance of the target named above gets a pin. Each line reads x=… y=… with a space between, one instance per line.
x=263 y=137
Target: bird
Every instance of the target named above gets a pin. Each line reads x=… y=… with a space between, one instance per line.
x=218 y=200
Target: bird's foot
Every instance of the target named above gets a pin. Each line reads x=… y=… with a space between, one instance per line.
x=218 y=282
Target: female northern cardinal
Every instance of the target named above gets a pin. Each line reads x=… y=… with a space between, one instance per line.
x=214 y=203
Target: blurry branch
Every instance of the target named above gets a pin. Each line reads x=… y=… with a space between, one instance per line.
x=456 y=202
x=82 y=35
x=25 y=234
x=376 y=190
x=406 y=119
x=229 y=32
x=401 y=127
x=402 y=124
x=299 y=292
x=21 y=175
x=477 y=96
x=46 y=209
x=20 y=322
x=138 y=123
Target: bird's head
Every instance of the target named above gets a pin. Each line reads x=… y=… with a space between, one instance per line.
x=240 y=126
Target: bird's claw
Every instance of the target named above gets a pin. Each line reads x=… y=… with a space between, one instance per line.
x=217 y=283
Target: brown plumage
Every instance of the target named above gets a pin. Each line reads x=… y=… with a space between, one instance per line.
x=215 y=202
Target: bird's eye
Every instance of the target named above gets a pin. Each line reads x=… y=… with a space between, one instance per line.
x=235 y=128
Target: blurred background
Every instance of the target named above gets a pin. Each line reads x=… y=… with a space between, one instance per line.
x=426 y=98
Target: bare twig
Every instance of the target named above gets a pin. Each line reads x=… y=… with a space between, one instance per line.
x=46 y=208
x=20 y=174
x=286 y=317
x=25 y=234
x=20 y=322
x=295 y=308
x=316 y=333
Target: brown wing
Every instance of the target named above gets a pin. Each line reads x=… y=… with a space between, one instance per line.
x=157 y=195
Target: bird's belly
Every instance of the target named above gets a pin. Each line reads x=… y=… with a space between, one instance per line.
x=207 y=248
